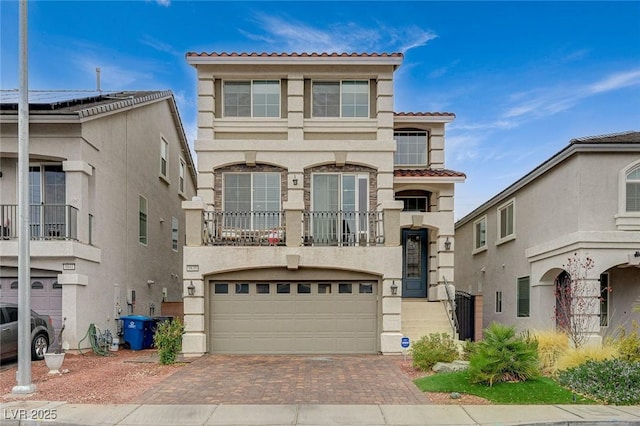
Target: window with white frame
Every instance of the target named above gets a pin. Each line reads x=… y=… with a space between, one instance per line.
x=255 y=98
x=340 y=202
x=347 y=98
x=254 y=198
x=174 y=233
x=411 y=147
x=480 y=234
x=632 y=184
x=164 y=157
x=182 y=171
x=506 y=220
x=142 y=223
x=498 y=302
x=523 y=297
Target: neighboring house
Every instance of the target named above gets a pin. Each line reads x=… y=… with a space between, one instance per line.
x=327 y=217
x=582 y=202
x=107 y=176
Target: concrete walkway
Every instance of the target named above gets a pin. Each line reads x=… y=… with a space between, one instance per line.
x=59 y=413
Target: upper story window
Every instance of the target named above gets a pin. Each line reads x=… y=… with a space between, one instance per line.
x=347 y=98
x=480 y=234
x=142 y=224
x=414 y=200
x=256 y=98
x=164 y=157
x=633 y=190
x=506 y=221
x=182 y=171
x=254 y=199
x=411 y=147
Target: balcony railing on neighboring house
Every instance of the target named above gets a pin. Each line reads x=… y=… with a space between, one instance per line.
x=46 y=221
x=253 y=228
x=354 y=229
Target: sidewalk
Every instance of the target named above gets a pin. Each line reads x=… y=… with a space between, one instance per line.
x=59 y=413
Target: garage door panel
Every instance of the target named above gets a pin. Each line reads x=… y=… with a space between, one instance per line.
x=309 y=323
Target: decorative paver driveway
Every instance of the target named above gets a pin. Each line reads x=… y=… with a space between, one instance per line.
x=287 y=379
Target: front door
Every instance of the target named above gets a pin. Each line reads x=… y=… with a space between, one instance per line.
x=414 y=262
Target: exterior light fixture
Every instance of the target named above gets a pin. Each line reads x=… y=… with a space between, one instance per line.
x=295 y=180
x=636 y=254
x=394 y=288
x=447 y=244
x=191 y=288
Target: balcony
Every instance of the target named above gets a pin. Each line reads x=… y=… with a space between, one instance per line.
x=343 y=229
x=233 y=228
x=46 y=222
x=337 y=229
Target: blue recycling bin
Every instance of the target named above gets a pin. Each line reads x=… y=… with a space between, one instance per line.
x=138 y=331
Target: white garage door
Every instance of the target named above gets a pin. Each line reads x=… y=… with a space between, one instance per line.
x=46 y=296
x=288 y=317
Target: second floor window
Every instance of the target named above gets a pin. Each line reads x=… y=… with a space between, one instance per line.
x=633 y=190
x=348 y=98
x=252 y=192
x=480 y=233
x=257 y=98
x=183 y=168
x=506 y=220
x=411 y=148
x=164 y=155
x=142 y=212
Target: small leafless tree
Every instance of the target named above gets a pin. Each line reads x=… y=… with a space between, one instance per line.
x=577 y=304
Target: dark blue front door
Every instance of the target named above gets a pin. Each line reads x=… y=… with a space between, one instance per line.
x=414 y=262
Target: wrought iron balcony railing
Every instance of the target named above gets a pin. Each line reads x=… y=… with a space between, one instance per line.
x=46 y=221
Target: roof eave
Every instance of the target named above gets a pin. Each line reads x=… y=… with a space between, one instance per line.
x=424 y=119
x=429 y=179
x=290 y=60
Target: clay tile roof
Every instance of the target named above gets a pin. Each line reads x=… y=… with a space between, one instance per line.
x=424 y=114
x=427 y=173
x=293 y=55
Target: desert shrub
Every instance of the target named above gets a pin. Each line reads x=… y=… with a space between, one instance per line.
x=629 y=344
x=551 y=346
x=612 y=381
x=433 y=348
x=503 y=357
x=168 y=340
x=574 y=357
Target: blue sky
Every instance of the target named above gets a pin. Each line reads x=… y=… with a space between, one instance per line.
x=523 y=78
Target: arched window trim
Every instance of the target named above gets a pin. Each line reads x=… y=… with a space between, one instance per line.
x=626 y=220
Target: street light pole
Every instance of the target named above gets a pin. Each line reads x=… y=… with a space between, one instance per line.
x=24 y=385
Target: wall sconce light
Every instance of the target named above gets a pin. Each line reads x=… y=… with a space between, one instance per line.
x=394 y=288
x=191 y=289
x=447 y=244
x=150 y=282
x=295 y=180
x=636 y=254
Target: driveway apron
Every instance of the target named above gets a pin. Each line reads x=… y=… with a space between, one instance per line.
x=287 y=379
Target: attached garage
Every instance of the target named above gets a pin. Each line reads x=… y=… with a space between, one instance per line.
x=46 y=296
x=310 y=317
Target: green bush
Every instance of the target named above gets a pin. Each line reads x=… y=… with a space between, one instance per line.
x=612 y=381
x=503 y=357
x=168 y=340
x=468 y=349
x=433 y=348
x=629 y=344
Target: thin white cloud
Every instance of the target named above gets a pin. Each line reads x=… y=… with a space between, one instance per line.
x=297 y=36
x=551 y=100
x=616 y=81
x=158 y=45
x=165 y=3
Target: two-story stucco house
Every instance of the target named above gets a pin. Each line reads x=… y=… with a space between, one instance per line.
x=324 y=220
x=584 y=202
x=107 y=176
